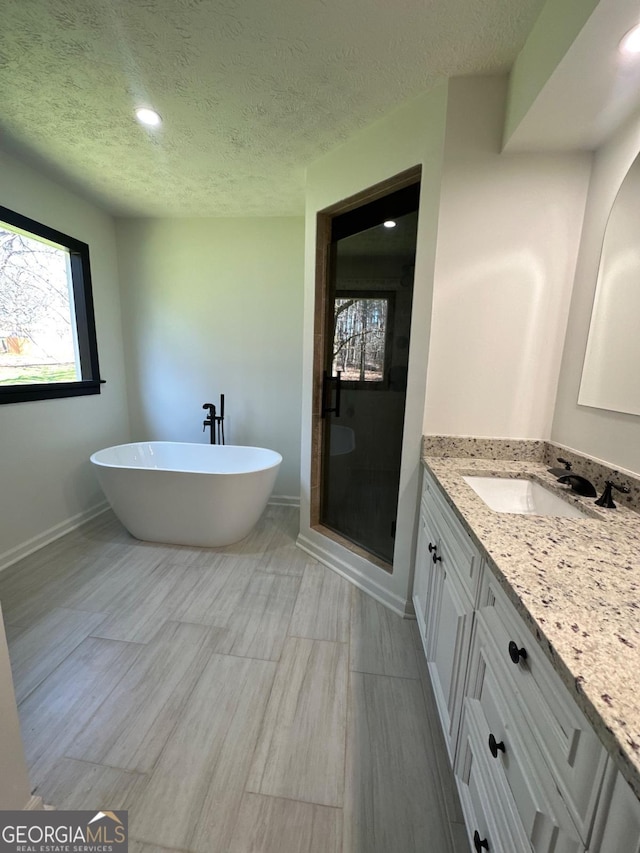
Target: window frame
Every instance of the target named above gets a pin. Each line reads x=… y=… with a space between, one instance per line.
x=389 y=297
x=85 y=327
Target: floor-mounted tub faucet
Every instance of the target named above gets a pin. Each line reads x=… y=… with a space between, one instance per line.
x=214 y=422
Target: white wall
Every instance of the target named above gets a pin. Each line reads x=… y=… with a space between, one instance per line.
x=508 y=237
x=557 y=26
x=214 y=306
x=47 y=480
x=610 y=436
x=411 y=135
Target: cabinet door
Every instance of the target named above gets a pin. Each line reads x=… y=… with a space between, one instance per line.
x=422 y=577
x=449 y=620
x=617 y=828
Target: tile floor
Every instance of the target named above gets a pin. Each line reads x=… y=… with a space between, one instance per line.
x=234 y=700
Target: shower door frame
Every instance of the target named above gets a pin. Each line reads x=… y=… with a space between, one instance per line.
x=323 y=338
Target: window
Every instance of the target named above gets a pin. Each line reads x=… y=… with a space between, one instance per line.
x=47 y=330
x=360 y=337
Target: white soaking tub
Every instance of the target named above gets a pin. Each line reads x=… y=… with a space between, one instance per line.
x=187 y=494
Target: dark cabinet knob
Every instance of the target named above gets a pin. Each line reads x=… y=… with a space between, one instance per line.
x=515 y=653
x=479 y=843
x=433 y=550
x=495 y=747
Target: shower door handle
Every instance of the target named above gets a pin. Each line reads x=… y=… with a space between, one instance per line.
x=326 y=393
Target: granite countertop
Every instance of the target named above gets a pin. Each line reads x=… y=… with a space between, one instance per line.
x=576 y=582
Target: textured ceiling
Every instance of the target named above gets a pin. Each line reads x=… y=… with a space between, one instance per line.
x=251 y=91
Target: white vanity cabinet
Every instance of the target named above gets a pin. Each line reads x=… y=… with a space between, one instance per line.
x=446 y=578
x=533 y=776
x=617 y=824
x=513 y=754
x=542 y=705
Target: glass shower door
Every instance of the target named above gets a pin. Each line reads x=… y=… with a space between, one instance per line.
x=367 y=350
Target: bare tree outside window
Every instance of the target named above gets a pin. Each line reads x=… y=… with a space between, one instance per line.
x=359 y=339
x=37 y=326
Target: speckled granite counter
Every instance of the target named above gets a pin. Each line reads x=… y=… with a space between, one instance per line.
x=576 y=582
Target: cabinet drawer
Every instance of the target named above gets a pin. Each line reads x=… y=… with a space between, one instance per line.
x=486 y=801
x=455 y=544
x=512 y=751
x=562 y=733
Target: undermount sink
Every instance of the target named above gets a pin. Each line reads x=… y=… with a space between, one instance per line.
x=522 y=496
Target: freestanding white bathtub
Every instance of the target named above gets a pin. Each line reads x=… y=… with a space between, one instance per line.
x=187 y=494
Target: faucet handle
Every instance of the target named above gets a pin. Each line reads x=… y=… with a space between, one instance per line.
x=606 y=499
x=624 y=489
x=565 y=462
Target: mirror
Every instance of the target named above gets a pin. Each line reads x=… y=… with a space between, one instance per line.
x=611 y=375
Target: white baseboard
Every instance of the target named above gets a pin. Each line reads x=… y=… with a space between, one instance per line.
x=47 y=536
x=394 y=602
x=284 y=500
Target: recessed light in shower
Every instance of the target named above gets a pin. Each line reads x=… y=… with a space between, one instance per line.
x=389 y=223
x=148 y=117
x=630 y=43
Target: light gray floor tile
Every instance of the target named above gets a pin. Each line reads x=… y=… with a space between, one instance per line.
x=392 y=790
x=323 y=606
x=274 y=825
x=36 y=652
x=132 y=725
x=417 y=639
x=285 y=561
x=382 y=643
x=31 y=604
x=12 y=632
x=136 y=846
x=150 y=604
x=258 y=626
x=300 y=754
x=441 y=756
x=281 y=556
x=460 y=838
x=236 y=752
x=215 y=591
x=195 y=790
x=75 y=784
x=109 y=590
x=53 y=714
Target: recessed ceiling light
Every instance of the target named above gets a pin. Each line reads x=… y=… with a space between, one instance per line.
x=630 y=43
x=148 y=117
x=389 y=223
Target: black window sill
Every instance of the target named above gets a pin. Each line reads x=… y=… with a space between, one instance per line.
x=48 y=391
